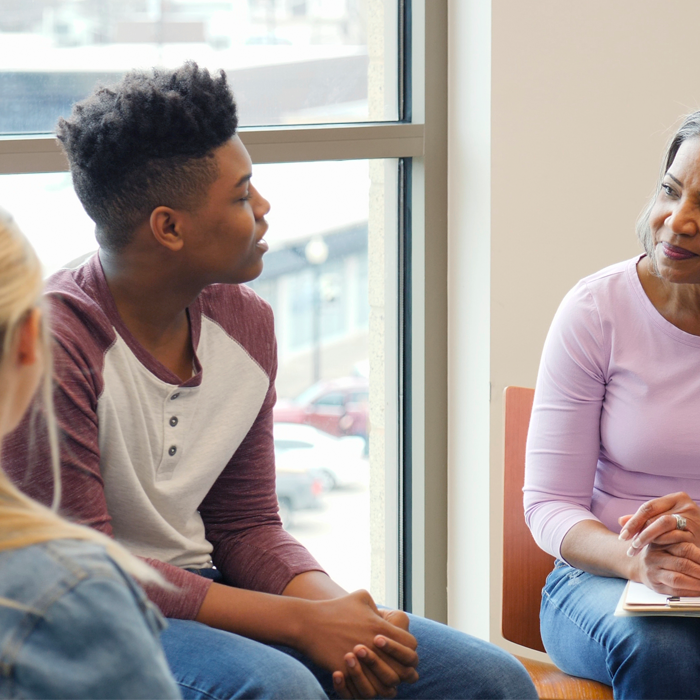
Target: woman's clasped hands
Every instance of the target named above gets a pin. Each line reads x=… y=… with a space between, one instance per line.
x=383 y=650
x=664 y=538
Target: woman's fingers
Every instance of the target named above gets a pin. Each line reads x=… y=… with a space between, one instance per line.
x=644 y=513
x=623 y=520
x=673 y=570
x=664 y=530
x=648 y=512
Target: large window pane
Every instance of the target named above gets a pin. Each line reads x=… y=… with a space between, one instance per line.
x=289 y=61
x=48 y=211
x=330 y=276
x=326 y=278
x=318 y=236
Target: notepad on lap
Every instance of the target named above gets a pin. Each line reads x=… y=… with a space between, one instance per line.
x=637 y=599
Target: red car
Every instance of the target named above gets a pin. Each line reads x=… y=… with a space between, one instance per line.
x=339 y=407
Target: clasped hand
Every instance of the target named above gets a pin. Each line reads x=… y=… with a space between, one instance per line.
x=383 y=650
x=668 y=559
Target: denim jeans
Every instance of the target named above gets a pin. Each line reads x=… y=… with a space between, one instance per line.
x=641 y=657
x=209 y=663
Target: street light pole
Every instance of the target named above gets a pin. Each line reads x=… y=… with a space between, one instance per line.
x=316 y=329
x=316 y=253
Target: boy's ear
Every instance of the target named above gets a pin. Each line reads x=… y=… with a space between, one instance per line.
x=29 y=337
x=166 y=227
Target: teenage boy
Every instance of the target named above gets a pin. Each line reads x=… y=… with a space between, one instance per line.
x=165 y=366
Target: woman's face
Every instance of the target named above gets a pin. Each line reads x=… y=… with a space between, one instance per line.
x=21 y=371
x=675 y=218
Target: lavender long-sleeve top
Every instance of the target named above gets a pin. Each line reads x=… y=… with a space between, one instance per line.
x=616 y=416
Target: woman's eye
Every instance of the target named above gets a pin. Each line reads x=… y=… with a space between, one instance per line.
x=668 y=190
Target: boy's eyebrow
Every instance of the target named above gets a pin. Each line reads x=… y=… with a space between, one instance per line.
x=244 y=179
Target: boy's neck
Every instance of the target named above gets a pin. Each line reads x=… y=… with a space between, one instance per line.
x=153 y=306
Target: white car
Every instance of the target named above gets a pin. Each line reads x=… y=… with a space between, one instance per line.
x=337 y=461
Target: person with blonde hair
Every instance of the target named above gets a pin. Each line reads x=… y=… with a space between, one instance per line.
x=73 y=624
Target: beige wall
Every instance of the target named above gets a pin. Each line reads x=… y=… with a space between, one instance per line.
x=582 y=97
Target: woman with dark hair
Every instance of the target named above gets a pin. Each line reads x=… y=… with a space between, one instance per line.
x=612 y=476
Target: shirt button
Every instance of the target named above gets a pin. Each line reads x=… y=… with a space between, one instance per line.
x=174 y=396
x=172 y=450
x=173 y=421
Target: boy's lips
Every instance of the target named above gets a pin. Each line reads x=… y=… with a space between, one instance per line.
x=262 y=230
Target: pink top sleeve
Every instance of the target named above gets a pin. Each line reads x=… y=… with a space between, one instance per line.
x=564 y=437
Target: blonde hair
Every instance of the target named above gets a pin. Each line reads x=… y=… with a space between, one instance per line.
x=23 y=521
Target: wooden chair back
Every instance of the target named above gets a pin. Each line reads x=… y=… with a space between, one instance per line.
x=525 y=565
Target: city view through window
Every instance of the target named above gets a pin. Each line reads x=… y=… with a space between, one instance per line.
x=289 y=62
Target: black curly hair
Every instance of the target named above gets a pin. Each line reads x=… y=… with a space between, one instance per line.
x=146 y=142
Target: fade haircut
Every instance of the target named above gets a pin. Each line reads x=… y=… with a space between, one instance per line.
x=145 y=142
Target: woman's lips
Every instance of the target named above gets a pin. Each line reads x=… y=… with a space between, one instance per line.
x=262 y=244
x=675 y=253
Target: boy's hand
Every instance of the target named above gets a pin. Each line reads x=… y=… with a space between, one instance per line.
x=383 y=651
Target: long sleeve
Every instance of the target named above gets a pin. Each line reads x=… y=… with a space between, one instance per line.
x=564 y=436
x=251 y=548
x=182 y=473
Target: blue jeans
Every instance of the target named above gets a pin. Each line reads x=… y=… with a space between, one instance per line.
x=641 y=657
x=209 y=663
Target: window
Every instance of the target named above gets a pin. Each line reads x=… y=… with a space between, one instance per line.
x=323 y=86
x=290 y=62
x=333 y=399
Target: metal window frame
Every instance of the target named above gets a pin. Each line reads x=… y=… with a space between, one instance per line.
x=422 y=146
x=42 y=154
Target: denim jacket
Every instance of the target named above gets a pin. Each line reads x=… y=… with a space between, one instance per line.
x=79 y=627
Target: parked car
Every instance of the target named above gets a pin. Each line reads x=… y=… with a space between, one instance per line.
x=298 y=488
x=337 y=461
x=338 y=407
